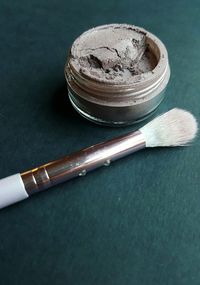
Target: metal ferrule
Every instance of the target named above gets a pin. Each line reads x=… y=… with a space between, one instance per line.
x=79 y=163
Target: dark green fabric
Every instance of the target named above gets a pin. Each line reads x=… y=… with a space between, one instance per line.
x=135 y=222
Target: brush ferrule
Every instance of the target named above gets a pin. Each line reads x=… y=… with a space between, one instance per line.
x=79 y=163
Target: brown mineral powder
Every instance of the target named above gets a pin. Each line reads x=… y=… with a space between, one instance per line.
x=113 y=53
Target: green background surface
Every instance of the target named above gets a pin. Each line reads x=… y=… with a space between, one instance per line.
x=135 y=222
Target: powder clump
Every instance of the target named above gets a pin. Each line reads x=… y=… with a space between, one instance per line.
x=112 y=53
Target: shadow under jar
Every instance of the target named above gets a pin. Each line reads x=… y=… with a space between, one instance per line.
x=117 y=74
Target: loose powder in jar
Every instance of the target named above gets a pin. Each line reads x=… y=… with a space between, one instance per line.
x=117 y=73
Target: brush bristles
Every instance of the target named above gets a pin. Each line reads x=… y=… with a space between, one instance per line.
x=174 y=128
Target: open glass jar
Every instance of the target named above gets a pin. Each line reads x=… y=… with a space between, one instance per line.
x=117 y=74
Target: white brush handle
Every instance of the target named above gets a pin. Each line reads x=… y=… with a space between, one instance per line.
x=12 y=190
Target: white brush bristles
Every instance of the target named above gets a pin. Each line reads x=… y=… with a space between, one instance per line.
x=174 y=128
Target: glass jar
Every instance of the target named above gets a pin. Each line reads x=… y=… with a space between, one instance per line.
x=118 y=103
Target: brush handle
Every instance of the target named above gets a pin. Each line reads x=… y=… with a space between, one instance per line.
x=74 y=165
x=12 y=190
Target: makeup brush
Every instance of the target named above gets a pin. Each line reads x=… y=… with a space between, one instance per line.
x=174 y=128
